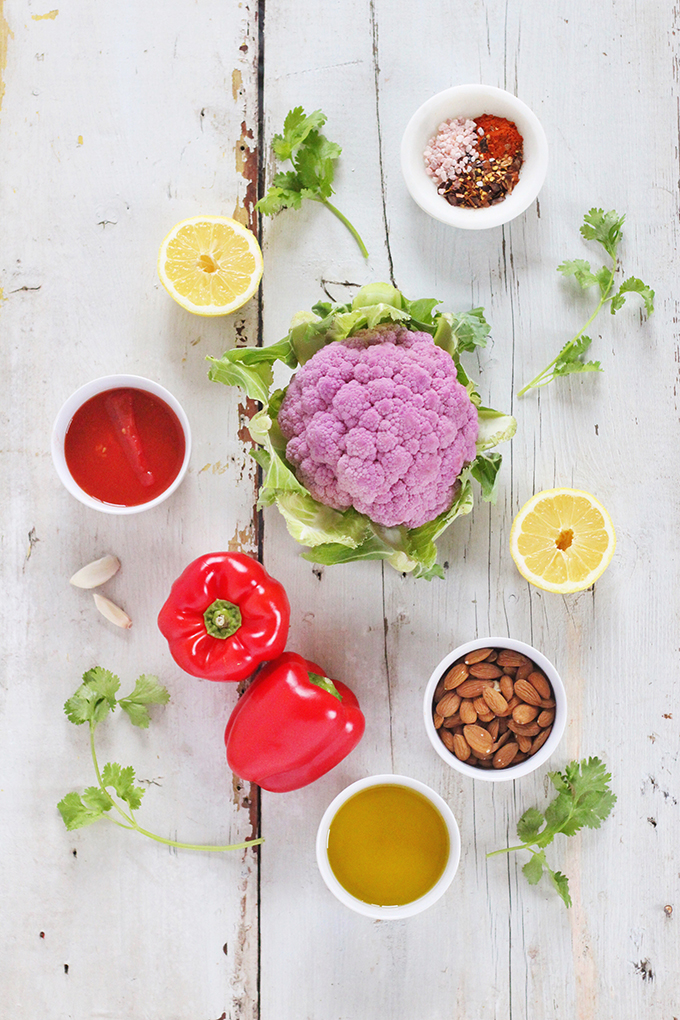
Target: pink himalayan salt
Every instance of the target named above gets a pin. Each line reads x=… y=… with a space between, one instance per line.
x=451 y=150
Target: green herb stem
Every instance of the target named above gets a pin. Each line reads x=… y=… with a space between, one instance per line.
x=509 y=849
x=537 y=383
x=131 y=823
x=343 y=219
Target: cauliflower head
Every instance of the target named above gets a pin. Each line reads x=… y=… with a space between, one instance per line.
x=379 y=422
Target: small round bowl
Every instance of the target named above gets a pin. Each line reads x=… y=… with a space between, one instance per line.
x=530 y=764
x=473 y=101
x=65 y=416
x=371 y=909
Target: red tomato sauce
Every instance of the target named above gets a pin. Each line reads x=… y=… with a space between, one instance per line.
x=124 y=446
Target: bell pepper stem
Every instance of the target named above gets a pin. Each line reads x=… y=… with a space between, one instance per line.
x=325 y=683
x=222 y=619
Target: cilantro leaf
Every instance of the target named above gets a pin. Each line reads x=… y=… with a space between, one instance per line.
x=533 y=869
x=603 y=227
x=570 y=358
x=580 y=270
x=148 y=691
x=77 y=814
x=633 y=286
x=313 y=157
x=296 y=127
x=584 y=799
x=95 y=697
x=561 y=883
x=529 y=825
x=121 y=780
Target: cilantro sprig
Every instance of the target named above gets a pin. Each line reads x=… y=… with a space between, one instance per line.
x=584 y=800
x=313 y=157
x=116 y=797
x=605 y=228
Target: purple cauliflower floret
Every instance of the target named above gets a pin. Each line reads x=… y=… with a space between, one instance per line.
x=379 y=422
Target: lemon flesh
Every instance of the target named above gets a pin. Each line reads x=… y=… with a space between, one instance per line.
x=210 y=265
x=562 y=540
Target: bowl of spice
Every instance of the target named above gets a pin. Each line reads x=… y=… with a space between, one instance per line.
x=388 y=847
x=121 y=444
x=474 y=156
x=495 y=709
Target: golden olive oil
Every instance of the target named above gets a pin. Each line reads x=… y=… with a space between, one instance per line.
x=388 y=845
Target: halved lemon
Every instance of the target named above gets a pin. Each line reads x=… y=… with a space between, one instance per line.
x=210 y=265
x=562 y=540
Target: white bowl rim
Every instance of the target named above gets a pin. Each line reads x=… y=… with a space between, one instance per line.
x=76 y=400
x=524 y=767
x=370 y=909
x=423 y=124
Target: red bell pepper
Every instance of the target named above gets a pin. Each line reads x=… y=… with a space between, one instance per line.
x=292 y=725
x=224 y=616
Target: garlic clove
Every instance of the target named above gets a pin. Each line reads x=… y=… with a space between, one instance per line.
x=97 y=572
x=112 y=612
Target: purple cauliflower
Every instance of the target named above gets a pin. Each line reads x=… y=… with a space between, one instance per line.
x=379 y=422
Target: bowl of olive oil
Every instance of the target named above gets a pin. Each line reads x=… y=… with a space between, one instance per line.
x=388 y=846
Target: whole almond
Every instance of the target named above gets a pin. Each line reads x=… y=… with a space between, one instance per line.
x=504 y=755
x=452 y=721
x=507 y=686
x=448 y=705
x=439 y=692
x=486 y=717
x=503 y=738
x=468 y=714
x=524 y=744
x=514 y=701
x=547 y=717
x=485 y=755
x=455 y=676
x=508 y=657
x=472 y=688
x=486 y=670
x=548 y=703
x=438 y=720
x=531 y=730
x=525 y=692
x=539 y=681
x=540 y=739
x=478 y=655
x=447 y=738
x=519 y=757
x=478 y=738
x=524 y=714
x=461 y=748
x=524 y=670
x=492 y=656
x=494 y=700
x=493 y=728
x=481 y=707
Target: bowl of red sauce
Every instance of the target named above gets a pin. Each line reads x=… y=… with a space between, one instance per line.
x=121 y=444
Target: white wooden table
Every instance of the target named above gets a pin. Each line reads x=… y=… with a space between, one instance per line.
x=118 y=120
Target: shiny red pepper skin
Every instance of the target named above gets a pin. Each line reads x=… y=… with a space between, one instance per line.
x=285 y=732
x=237 y=580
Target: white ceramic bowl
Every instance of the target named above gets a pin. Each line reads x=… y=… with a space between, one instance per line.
x=471 y=101
x=371 y=909
x=76 y=400
x=529 y=764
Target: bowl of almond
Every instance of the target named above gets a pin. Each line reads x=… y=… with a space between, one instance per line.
x=495 y=709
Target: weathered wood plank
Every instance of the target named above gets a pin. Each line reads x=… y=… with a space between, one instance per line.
x=496 y=947
x=115 y=124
